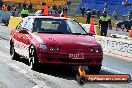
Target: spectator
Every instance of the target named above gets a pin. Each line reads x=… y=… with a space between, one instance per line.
x=93 y=12
x=115 y=14
x=24 y=12
x=54 y=7
x=59 y=9
x=9 y=8
x=30 y=7
x=88 y=17
x=24 y=5
x=88 y=9
x=5 y=7
x=64 y=13
x=1 y=4
x=98 y=13
x=13 y=10
x=19 y=8
x=126 y=3
x=68 y=4
x=45 y=9
x=82 y=11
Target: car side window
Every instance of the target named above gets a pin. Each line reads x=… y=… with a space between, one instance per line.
x=28 y=24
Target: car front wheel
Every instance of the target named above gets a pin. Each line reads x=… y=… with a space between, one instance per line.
x=33 y=62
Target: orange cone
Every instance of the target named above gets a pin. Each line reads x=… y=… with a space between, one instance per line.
x=130 y=33
x=92 y=27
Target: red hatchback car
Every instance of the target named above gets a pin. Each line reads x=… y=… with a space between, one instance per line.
x=55 y=40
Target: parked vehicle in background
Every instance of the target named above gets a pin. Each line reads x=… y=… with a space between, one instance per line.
x=124 y=24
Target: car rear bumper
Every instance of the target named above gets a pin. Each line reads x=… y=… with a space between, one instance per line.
x=63 y=59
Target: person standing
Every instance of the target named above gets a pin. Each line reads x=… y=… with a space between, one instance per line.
x=88 y=17
x=45 y=9
x=104 y=22
x=68 y=4
x=24 y=12
x=30 y=7
x=13 y=10
x=64 y=13
x=82 y=9
x=5 y=7
x=1 y=4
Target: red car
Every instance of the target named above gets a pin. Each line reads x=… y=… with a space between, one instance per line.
x=55 y=40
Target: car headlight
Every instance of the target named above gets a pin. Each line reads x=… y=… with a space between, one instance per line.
x=43 y=46
x=95 y=49
x=52 y=48
x=98 y=49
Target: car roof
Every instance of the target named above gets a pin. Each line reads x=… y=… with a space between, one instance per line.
x=50 y=17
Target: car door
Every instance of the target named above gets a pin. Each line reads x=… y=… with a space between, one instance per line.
x=25 y=39
x=16 y=37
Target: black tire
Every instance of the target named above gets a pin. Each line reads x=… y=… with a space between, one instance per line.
x=33 y=62
x=94 y=69
x=14 y=55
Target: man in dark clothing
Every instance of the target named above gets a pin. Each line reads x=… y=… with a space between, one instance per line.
x=30 y=7
x=68 y=4
x=54 y=7
x=1 y=4
x=88 y=17
x=24 y=12
x=82 y=11
x=104 y=22
x=13 y=10
x=98 y=13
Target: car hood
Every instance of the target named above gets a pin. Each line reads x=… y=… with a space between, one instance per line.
x=67 y=39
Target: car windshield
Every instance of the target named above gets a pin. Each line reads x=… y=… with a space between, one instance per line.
x=57 y=26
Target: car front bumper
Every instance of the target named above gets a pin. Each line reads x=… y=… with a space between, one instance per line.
x=63 y=59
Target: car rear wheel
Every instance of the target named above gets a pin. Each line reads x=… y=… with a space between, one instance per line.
x=94 y=69
x=14 y=55
x=33 y=62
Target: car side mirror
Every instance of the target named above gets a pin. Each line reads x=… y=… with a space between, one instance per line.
x=23 y=31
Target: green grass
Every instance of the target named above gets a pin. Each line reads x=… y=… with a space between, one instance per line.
x=83 y=20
